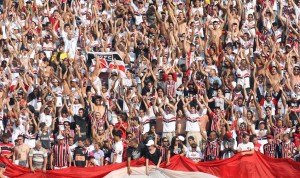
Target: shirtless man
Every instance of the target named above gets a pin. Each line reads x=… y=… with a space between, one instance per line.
x=216 y=32
x=294 y=75
x=274 y=75
x=99 y=107
x=21 y=151
x=235 y=14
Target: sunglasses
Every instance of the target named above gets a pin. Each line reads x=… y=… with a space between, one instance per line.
x=165 y=141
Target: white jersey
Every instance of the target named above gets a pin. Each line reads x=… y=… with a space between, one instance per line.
x=169 y=122
x=243 y=78
x=117 y=149
x=146 y=123
x=192 y=122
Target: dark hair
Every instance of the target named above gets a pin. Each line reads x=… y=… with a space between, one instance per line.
x=5 y=135
x=191 y=138
x=21 y=136
x=245 y=135
x=117 y=133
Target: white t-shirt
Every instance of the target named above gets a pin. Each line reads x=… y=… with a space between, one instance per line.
x=169 y=122
x=117 y=149
x=192 y=122
x=245 y=147
x=146 y=123
x=46 y=118
x=194 y=155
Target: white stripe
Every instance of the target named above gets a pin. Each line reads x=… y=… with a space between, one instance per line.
x=140 y=172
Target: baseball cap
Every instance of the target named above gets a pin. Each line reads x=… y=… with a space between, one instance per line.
x=181 y=138
x=229 y=135
x=261 y=122
x=60 y=137
x=150 y=143
x=270 y=137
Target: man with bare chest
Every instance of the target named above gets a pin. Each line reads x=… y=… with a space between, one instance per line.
x=21 y=151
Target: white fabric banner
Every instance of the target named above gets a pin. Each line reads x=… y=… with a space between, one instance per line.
x=140 y=172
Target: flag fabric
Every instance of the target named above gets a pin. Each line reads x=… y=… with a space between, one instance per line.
x=250 y=166
x=116 y=65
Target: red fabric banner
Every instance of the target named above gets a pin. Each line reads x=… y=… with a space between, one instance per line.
x=255 y=166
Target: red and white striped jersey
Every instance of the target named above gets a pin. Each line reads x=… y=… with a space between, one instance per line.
x=60 y=155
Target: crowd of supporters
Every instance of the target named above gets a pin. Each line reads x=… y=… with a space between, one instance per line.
x=204 y=79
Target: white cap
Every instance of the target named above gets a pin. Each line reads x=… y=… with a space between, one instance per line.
x=150 y=143
x=54 y=80
x=181 y=138
x=293 y=95
x=60 y=137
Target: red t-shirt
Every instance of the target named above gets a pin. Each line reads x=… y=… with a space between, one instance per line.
x=53 y=21
x=119 y=127
x=297 y=139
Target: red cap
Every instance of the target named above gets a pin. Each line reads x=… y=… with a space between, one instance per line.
x=270 y=137
x=229 y=135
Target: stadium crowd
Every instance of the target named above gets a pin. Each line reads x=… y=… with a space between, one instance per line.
x=204 y=79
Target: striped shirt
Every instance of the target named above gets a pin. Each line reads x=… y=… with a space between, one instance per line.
x=164 y=153
x=38 y=157
x=288 y=149
x=270 y=150
x=6 y=148
x=212 y=150
x=214 y=123
x=169 y=122
x=60 y=155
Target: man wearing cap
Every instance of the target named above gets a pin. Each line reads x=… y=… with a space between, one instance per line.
x=270 y=148
x=60 y=154
x=21 y=151
x=38 y=157
x=153 y=154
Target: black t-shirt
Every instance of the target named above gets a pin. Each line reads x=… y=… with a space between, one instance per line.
x=45 y=140
x=136 y=153
x=80 y=156
x=153 y=157
x=293 y=106
x=83 y=124
x=107 y=152
x=144 y=52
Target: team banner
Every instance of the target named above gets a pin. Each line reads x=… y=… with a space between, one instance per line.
x=252 y=166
